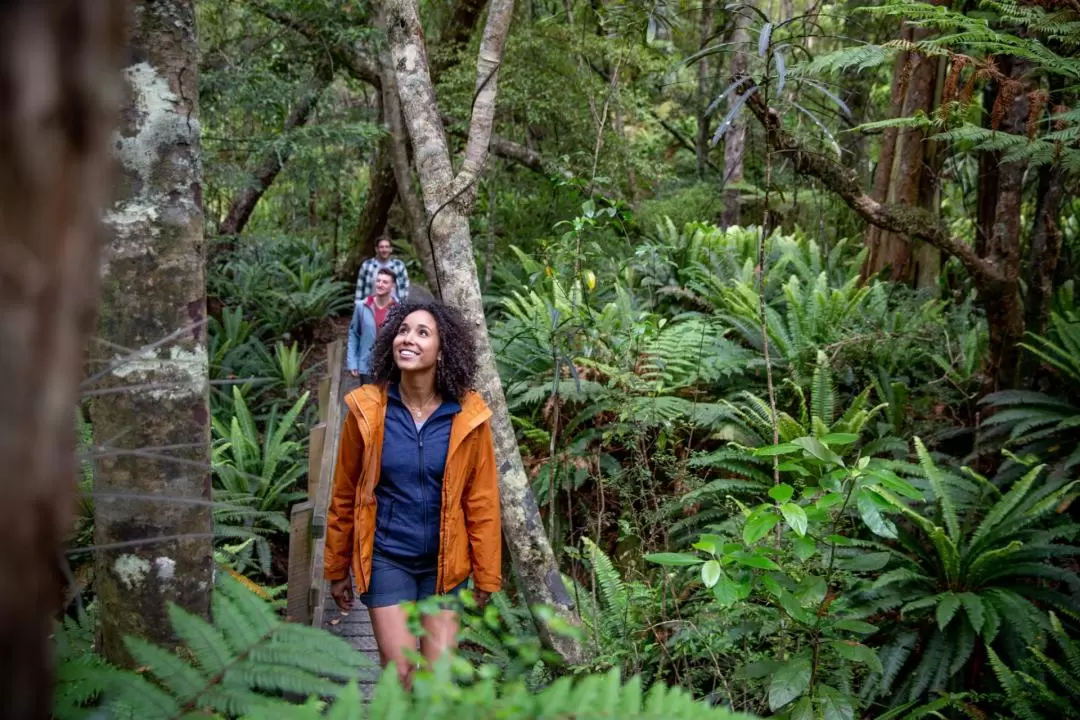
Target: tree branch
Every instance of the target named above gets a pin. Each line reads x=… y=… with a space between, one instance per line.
x=360 y=63
x=275 y=158
x=483 y=108
x=908 y=221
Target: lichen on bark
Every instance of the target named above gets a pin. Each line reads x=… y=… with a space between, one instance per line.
x=154 y=419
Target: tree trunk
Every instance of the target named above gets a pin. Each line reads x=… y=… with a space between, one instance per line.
x=448 y=200
x=398 y=137
x=907 y=170
x=735 y=138
x=1005 y=312
x=154 y=543
x=704 y=87
x=57 y=86
x=382 y=189
x=1045 y=248
x=273 y=161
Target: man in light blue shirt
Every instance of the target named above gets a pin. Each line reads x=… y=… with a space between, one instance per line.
x=361 y=342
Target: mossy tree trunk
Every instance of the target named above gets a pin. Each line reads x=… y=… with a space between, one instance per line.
x=152 y=482
x=58 y=63
x=448 y=199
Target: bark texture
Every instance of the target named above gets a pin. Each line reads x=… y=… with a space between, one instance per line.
x=58 y=63
x=268 y=167
x=448 y=200
x=398 y=146
x=735 y=138
x=156 y=423
x=907 y=172
x=704 y=88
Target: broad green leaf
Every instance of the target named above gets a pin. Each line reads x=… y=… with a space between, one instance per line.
x=827 y=501
x=816 y=448
x=795 y=516
x=771 y=450
x=803 y=710
x=667 y=558
x=871 y=515
x=710 y=573
x=758 y=525
x=859 y=653
x=728 y=592
x=781 y=493
x=839 y=438
x=855 y=626
x=804 y=547
x=753 y=560
x=790 y=681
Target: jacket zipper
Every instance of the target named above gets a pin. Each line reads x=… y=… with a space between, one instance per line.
x=420 y=476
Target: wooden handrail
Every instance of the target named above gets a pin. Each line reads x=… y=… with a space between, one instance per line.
x=306 y=594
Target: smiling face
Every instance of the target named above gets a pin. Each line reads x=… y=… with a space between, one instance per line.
x=416 y=345
x=383 y=249
x=383 y=285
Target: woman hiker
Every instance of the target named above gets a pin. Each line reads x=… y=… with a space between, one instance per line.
x=415 y=503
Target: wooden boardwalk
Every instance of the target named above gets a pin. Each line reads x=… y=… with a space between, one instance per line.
x=309 y=597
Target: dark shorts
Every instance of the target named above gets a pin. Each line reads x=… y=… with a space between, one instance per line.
x=395 y=581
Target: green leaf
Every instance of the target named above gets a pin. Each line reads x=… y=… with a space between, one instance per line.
x=667 y=558
x=710 y=573
x=804 y=547
x=973 y=607
x=855 y=626
x=816 y=448
x=795 y=516
x=803 y=710
x=753 y=560
x=781 y=493
x=871 y=515
x=758 y=525
x=771 y=450
x=947 y=607
x=790 y=681
x=839 y=438
x=948 y=510
x=728 y=592
x=859 y=653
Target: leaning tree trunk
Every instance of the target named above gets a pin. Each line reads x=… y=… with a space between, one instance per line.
x=57 y=91
x=735 y=138
x=448 y=200
x=152 y=518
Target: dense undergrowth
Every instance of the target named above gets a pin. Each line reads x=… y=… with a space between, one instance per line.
x=777 y=485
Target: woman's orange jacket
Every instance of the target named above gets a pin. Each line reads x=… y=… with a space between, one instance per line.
x=470 y=539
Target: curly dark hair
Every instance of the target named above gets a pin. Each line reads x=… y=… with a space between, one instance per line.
x=454 y=372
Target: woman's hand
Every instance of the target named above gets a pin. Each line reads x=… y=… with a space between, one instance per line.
x=481 y=597
x=342 y=592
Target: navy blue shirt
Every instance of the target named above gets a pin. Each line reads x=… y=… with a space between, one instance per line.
x=409 y=516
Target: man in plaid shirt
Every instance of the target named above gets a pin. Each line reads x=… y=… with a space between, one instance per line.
x=365 y=280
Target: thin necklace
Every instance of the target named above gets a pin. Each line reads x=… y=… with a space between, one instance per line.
x=418 y=411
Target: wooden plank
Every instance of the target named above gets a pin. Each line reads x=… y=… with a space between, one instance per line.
x=326 y=481
x=298 y=595
x=314 y=466
x=324 y=399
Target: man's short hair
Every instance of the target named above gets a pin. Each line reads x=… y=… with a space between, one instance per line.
x=388 y=272
x=381 y=240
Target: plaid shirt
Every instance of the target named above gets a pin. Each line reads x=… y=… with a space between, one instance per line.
x=365 y=279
